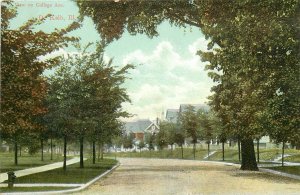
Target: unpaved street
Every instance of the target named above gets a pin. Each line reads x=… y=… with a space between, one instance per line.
x=186 y=177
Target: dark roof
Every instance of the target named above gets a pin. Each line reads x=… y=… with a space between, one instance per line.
x=172 y=115
x=137 y=126
x=197 y=107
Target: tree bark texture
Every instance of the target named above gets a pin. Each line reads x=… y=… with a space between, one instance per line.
x=101 y=151
x=81 y=152
x=257 y=150
x=208 y=150
x=239 y=149
x=194 y=150
x=51 y=149
x=181 y=151
x=94 y=152
x=248 y=155
x=16 y=151
x=42 y=150
x=65 y=154
x=223 y=151
x=282 y=154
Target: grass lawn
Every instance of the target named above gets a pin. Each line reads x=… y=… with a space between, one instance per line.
x=74 y=174
x=271 y=154
x=175 y=154
x=32 y=189
x=25 y=161
x=295 y=170
x=295 y=158
x=274 y=163
x=231 y=155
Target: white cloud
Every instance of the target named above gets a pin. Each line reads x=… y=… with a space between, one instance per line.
x=199 y=44
x=166 y=79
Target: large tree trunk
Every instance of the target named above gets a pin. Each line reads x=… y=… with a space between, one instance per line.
x=42 y=150
x=223 y=152
x=65 y=153
x=51 y=149
x=181 y=151
x=81 y=152
x=94 y=152
x=99 y=150
x=282 y=154
x=239 y=149
x=194 y=150
x=248 y=155
x=257 y=150
x=16 y=151
x=208 y=150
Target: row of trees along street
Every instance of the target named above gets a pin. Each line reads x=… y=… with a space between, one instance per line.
x=201 y=125
x=192 y=127
x=253 y=57
x=80 y=101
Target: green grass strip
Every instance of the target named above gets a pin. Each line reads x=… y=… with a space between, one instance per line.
x=294 y=170
x=25 y=161
x=73 y=174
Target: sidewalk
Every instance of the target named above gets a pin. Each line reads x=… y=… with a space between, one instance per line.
x=210 y=154
x=20 y=173
x=77 y=187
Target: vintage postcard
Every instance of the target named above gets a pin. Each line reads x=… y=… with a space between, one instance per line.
x=154 y=97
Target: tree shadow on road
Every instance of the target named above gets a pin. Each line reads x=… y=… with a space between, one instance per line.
x=263 y=176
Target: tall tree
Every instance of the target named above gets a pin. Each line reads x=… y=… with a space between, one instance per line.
x=93 y=94
x=207 y=131
x=161 y=138
x=171 y=134
x=257 y=43
x=190 y=123
x=149 y=140
x=253 y=62
x=22 y=86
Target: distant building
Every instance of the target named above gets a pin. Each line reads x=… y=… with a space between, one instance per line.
x=172 y=115
x=138 y=128
x=204 y=107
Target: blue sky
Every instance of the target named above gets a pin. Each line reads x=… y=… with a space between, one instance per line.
x=167 y=74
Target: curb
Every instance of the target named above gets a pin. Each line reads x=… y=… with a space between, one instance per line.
x=67 y=191
x=44 y=185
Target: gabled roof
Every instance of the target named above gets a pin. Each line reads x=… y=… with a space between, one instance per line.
x=152 y=124
x=137 y=126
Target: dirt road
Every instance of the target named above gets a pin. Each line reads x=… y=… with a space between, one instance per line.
x=187 y=177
